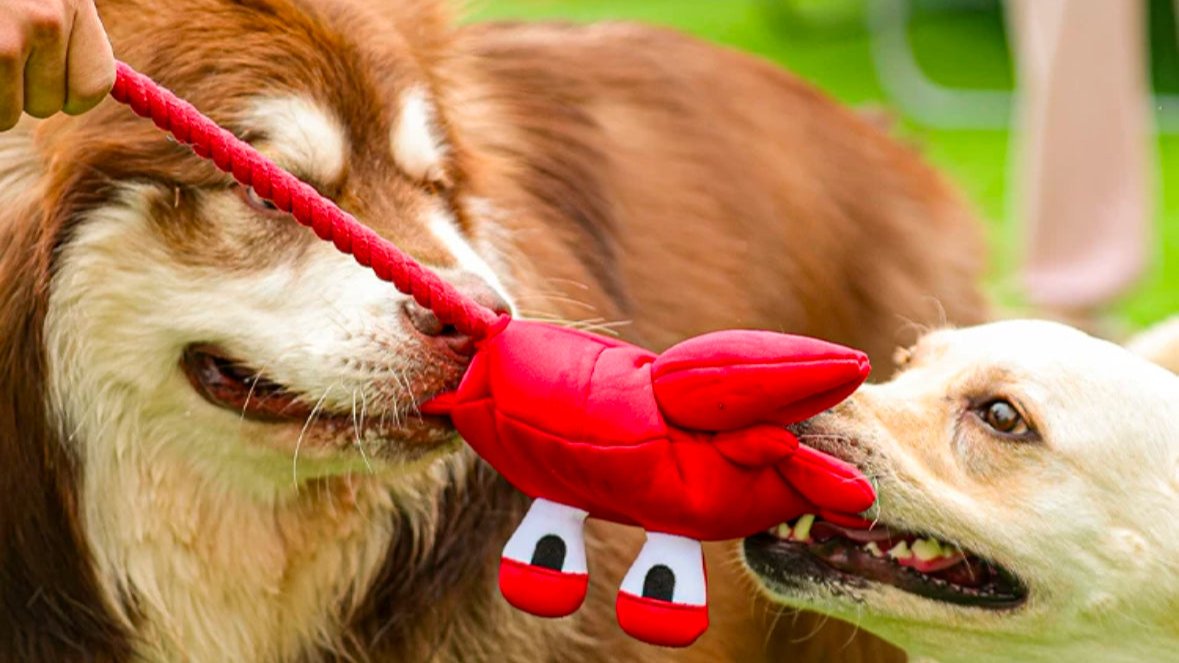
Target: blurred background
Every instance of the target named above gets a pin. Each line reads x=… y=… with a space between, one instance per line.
x=944 y=70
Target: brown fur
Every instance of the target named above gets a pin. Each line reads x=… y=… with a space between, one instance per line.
x=640 y=176
x=717 y=190
x=50 y=606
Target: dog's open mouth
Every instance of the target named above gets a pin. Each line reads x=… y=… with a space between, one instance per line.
x=230 y=384
x=921 y=565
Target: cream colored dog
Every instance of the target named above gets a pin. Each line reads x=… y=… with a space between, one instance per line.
x=1029 y=491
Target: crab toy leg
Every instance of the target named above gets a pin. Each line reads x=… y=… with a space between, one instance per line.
x=543 y=569
x=664 y=598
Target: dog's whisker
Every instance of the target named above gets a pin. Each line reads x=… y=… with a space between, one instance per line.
x=363 y=415
x=943 y=318
x=357 y=423
x=781 y=610
x=541 y=299
x=406 y=386
x=856 y=627
x=257 y=375
x=599 y=325
x=306 y=425
x=576 y=284
x=813 y=632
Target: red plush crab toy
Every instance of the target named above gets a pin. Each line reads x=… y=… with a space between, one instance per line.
x=690 y=445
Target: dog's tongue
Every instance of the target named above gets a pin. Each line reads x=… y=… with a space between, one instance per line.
x=823 y=529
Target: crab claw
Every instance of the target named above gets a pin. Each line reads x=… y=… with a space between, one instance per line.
x=827 y=482
x=733 y=379
x=756 y=446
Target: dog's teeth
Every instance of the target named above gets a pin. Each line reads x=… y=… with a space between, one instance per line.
x=874 y=549
x=802 y=530
x=782 y=531
x=900 y=551
x=927 y=549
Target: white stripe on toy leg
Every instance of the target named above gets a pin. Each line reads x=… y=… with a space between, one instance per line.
x=552 y=536
x=668 y=568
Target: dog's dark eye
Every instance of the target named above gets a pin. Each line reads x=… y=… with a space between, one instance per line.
x=257 y=202
x=1004 y=418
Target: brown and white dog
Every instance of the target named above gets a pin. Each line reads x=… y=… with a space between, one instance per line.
x=208 y=442
x=1028 y=484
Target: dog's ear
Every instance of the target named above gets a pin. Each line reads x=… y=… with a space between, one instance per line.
x=1159 y=344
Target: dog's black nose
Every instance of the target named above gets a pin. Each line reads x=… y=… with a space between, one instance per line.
x=429 y=326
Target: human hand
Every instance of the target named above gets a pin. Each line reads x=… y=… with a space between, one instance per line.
x=54 y=56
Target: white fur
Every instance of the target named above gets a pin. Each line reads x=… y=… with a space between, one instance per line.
x=1084 y=517
x=303 y=135
x=417 y=145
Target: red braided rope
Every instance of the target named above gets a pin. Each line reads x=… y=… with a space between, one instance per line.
x=237 y=158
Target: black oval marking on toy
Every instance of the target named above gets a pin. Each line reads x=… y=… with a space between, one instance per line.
x=550 y=552
x=659 y=583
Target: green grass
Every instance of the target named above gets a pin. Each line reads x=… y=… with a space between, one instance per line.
x=825 y=41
